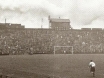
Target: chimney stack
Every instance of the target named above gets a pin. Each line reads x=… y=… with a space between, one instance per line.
x=5 y=20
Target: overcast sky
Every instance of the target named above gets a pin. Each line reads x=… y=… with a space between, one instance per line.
x=82 y=13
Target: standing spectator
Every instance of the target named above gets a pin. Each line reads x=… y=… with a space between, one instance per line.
x=92 y=67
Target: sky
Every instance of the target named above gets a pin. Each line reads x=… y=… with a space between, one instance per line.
x=34 y=13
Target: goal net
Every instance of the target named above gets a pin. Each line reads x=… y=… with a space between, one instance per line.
x=63 y=49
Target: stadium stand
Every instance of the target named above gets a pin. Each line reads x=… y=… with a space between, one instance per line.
x=19 y=40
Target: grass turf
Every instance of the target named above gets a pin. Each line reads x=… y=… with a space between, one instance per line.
x=59 y=65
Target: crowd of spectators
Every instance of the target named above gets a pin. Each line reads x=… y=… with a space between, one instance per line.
x=35 y=41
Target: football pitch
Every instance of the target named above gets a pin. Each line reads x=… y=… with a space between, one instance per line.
x=52 y=66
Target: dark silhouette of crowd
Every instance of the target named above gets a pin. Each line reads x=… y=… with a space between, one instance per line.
x=39 y=41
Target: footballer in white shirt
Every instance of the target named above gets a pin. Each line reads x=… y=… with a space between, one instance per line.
x=92 y=67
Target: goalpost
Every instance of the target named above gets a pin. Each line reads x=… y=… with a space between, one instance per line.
x=63 y=49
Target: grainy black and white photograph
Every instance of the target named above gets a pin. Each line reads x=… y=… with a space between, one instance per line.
x=51 y=38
